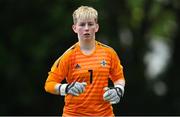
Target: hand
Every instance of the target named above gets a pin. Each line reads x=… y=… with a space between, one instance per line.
x=112 y=95
x=75 y=88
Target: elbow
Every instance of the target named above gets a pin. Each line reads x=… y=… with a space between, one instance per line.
x=50 y=87
x=46 y=87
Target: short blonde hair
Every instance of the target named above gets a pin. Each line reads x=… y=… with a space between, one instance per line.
x=84 y=12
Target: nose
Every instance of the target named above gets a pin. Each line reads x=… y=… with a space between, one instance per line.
x=86 y=27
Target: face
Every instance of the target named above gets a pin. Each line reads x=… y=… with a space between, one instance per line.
x=86 y=29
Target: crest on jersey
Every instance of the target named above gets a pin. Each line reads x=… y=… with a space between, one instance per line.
x=77 y=66
x=103 y=63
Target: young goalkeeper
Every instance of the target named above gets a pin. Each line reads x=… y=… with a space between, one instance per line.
x=86 y=66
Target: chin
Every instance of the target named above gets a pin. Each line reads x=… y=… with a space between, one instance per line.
x=87 y=39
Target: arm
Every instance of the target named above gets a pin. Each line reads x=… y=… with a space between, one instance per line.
x=114 y=94
x=55 y=76
x=58 y=72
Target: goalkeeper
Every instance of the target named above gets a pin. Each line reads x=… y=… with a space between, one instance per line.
x=86 y=67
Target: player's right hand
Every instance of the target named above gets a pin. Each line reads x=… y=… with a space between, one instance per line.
x=76 y=88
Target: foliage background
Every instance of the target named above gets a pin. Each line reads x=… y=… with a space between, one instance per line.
x=145 y=34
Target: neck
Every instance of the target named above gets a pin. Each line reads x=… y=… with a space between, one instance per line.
x=87 y=48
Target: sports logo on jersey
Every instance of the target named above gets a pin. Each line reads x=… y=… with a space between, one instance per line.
x=103 y=63
x=77 y=66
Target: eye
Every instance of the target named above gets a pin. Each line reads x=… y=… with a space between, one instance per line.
x=82 y=24
x=90 y=24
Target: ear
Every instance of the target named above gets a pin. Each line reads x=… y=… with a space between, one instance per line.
x=97 y=27
x=74 y=28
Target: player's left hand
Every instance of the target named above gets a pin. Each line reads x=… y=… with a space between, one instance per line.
x=113 y=95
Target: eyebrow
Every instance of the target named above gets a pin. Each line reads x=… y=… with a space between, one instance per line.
x=87 y=22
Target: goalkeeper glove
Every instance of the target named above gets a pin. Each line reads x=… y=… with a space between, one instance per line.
x=113 y=95
x=74 y=88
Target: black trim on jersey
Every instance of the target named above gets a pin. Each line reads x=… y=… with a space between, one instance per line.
x=104 y=45
x=73 y=47
x=57 y=64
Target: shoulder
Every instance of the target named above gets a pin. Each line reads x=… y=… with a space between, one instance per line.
x=107 y=48
x=103 y=45
x=64 y=57
x=68 y=52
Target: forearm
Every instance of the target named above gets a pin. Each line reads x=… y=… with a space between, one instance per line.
x=52 y=83
x=52 y=87
x=120 y=84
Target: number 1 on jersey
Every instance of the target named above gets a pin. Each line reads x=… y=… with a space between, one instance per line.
x=91 y=75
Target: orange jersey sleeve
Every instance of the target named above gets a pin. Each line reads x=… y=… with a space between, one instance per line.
x=116 y=72
x=58 y=72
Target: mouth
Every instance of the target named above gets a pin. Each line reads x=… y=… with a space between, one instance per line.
x=86 y=34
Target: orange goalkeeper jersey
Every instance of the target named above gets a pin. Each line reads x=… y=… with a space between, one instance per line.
x=95 y=69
